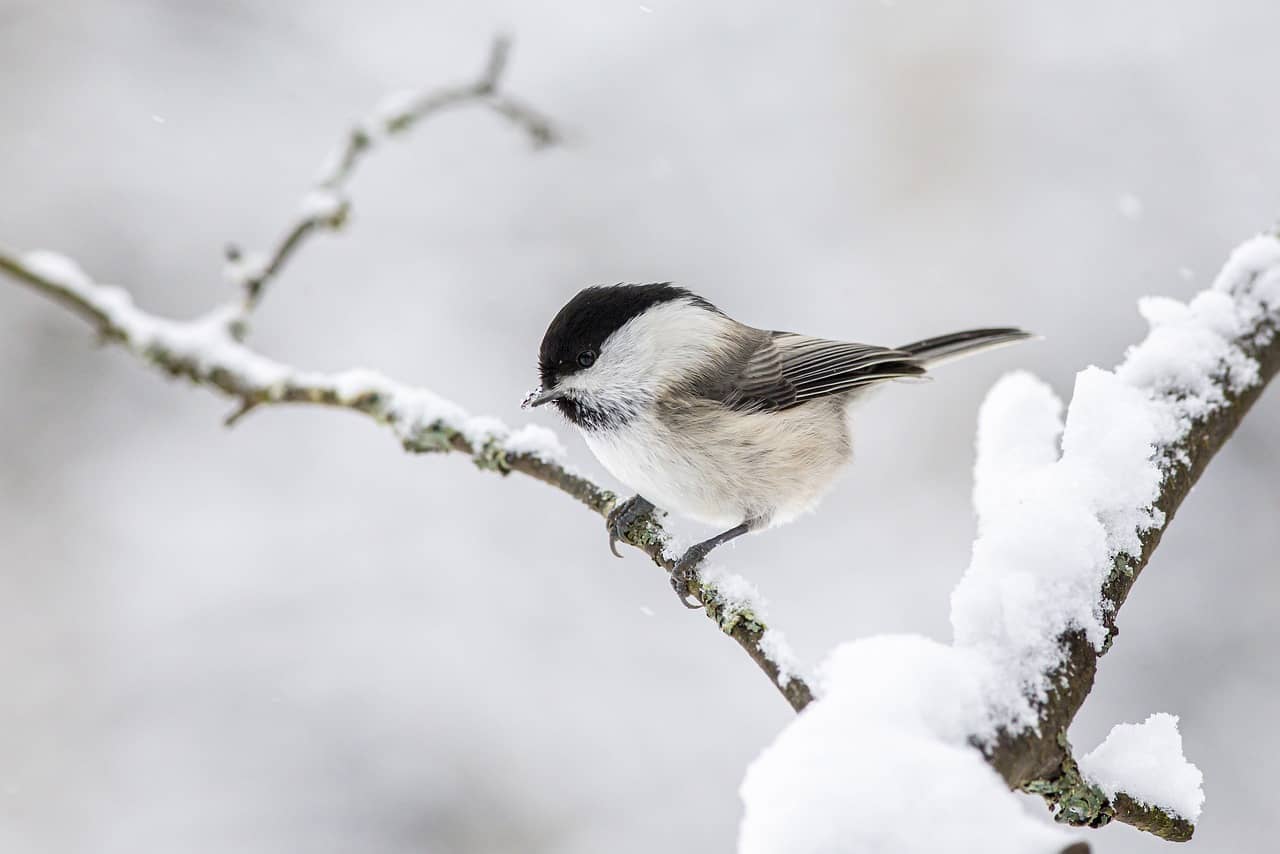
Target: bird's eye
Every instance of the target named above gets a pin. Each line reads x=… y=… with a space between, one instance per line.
x=586 y=358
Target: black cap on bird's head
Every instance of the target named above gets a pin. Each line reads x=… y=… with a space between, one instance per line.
x=575 y=336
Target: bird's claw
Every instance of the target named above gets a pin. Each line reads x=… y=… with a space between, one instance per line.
x=684 y=573
x=622 y=517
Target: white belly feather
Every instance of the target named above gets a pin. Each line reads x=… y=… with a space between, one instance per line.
x=724 y=468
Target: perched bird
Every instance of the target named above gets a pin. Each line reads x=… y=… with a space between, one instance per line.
x=708 y=418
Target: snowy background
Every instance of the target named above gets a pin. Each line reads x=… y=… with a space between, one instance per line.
x=293 y=637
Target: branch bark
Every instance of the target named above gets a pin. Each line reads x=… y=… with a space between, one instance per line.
x=1040 y=760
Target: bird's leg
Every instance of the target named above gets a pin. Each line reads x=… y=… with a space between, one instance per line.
x=686 y=568
x=622 y=517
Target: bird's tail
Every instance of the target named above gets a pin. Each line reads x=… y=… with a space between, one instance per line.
x=944 y=348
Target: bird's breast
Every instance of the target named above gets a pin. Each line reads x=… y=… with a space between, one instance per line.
x=722 y=467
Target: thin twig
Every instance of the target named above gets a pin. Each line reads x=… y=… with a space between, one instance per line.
x=326 y=206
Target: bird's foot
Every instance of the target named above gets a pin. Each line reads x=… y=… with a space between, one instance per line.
x=622 y=517
x=685 y=572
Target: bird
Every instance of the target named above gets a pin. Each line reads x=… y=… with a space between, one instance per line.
x=727 y=424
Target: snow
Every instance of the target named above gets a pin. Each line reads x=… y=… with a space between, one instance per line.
x=1020 y=429
x=883 y=760
x=322 y=205
x=1052 y=521
x=881 y=765
x=1190 y=349
x=738 y=593
x=773 y=644
x=1252 y=274
x=481 y=429
x=1145 y=762
x=535 y=440
x=58 y=269
x=395 y=107
x=352 y=384
x=741 y=597
x=207 y=344
x=1049 y=529
x=414 y=409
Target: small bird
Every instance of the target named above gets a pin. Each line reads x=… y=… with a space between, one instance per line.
x=709 y=418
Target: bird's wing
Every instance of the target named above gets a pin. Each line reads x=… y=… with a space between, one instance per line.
x=786 y=370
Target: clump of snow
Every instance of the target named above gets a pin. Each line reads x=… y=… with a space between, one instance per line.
x=322 y=205
x=881 y=763
x=1020 y=427
x=534 y=440
x=738 y=593
x=395 y=107
x=773 y=644
x=1252 y=274
x=330 y=171
x=1145 y=762
x=481 y=429
x=1048 y=529
x=1190 y=351
x=416 y=408
x=207 y=344
x=1050 y=523
x=58 y=269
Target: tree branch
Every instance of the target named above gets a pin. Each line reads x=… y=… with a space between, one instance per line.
x=1040 y=759
x=326 y=206
x=205 y=352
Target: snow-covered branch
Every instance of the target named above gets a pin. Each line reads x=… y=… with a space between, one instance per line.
x=1069 y=511
x=1137 y=440
x=210 y=351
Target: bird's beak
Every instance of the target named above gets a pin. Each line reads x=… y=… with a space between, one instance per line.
x=537 y=397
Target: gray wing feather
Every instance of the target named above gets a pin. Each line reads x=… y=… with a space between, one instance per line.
x=786 y=370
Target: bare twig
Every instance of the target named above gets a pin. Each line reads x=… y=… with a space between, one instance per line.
x=326 y=206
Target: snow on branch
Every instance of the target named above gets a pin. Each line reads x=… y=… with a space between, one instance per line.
x=1145 y=762
x=210 y=351
x=1070 y=512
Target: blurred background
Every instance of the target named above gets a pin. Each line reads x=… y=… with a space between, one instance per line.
x=293 y=637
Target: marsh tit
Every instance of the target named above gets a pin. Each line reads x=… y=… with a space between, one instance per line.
x=706 y=417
